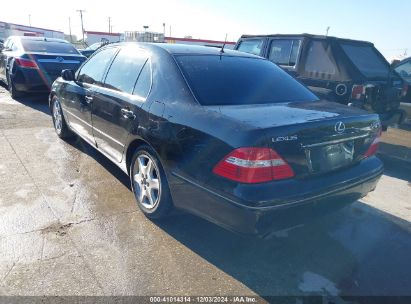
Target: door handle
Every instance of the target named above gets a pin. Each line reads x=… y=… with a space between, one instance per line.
x=88 y=99
x=127 y=113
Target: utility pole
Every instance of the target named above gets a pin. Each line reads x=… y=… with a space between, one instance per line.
x=82 y=26
x=327 y=30
x=170 y=30
x=109 y=24
x=71 y=37
x=164 y=29
x=30 y=19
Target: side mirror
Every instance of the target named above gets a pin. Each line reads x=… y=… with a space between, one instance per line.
x=1 y=46
x=67 y=75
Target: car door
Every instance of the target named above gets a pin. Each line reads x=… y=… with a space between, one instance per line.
x=116 y=106
x=78 y=95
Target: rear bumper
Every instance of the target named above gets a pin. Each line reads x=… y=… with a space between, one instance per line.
x=32 y=80
x=293 y=202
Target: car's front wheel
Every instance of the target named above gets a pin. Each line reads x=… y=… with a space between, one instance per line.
x=59 y=122
x=149 y=183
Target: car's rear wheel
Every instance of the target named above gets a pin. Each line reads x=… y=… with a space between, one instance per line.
x=149 y=183
x=59 y=122
x=12 y=88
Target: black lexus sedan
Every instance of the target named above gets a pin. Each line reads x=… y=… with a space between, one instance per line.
x=31 y=64
x=225 y=135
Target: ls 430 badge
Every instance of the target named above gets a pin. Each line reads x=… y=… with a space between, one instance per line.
x=284 y=138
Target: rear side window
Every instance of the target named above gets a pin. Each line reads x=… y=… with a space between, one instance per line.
x=319 y=62
x=143 y=85
x=284 y=51
x=252 y=46
x=367 y=60
x=93 y=70
x=125 y=69
x=42 y=46
x=226 y=80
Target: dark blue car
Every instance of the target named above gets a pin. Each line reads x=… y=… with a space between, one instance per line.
x=31 y=64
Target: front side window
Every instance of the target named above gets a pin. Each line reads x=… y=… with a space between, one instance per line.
x=229 y=80
x=252 y=46
x=284 y=51
x=93 y=70
x=44 y=46
x=319 y=62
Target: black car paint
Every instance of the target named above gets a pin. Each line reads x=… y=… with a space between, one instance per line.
x=191 y=139
x=29 y=79
x=382 y=96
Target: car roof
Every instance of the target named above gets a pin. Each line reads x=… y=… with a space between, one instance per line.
x=186 y=49
x=45 y=39
x=305 y=35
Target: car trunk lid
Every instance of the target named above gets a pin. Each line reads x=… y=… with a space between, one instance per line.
x=51 y=65
x=313 y=137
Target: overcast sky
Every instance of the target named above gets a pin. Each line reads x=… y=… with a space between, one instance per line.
x=386 y=23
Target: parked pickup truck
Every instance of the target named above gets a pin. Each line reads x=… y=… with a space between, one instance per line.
x=347 y=71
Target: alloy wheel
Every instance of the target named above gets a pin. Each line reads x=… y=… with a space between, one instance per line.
x=146 y=181
x=57 y=115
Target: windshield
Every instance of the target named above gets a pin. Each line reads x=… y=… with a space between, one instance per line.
x=225 y=80
x=43 y=46
x=404 y=70
x=367 y=60
x=252 y=46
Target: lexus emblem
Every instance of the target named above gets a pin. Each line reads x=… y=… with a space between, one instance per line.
x=60 y=59
x=339 y=127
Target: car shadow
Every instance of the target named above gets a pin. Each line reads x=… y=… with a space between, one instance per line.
x=86 y=148
x=36 y=101
x=357 y=251
x=396 y=159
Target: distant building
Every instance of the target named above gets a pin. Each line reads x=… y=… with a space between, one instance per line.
x=94 y=37
x=191 y=41
x=144 y=36
x=11 y=29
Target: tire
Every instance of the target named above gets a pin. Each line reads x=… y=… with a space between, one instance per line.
x=59 y=123
x=14 y=93
x=149 y=183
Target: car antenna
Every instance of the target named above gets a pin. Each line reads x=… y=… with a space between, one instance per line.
x=225 y=41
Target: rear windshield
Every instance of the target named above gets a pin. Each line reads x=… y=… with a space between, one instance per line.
x=225 y=80
x=367 y=60
x=48 y=47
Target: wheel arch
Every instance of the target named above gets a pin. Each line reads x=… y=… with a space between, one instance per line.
x=133 y=146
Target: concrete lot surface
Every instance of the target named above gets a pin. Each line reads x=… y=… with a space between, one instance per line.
x=69 y=226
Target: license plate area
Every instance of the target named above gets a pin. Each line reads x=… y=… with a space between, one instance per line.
x=326 y=158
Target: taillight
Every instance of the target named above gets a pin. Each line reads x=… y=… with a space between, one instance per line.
x=357 y=91
x=374 y=146
x=404 y=89
x=253 y=165
x=26 y=63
